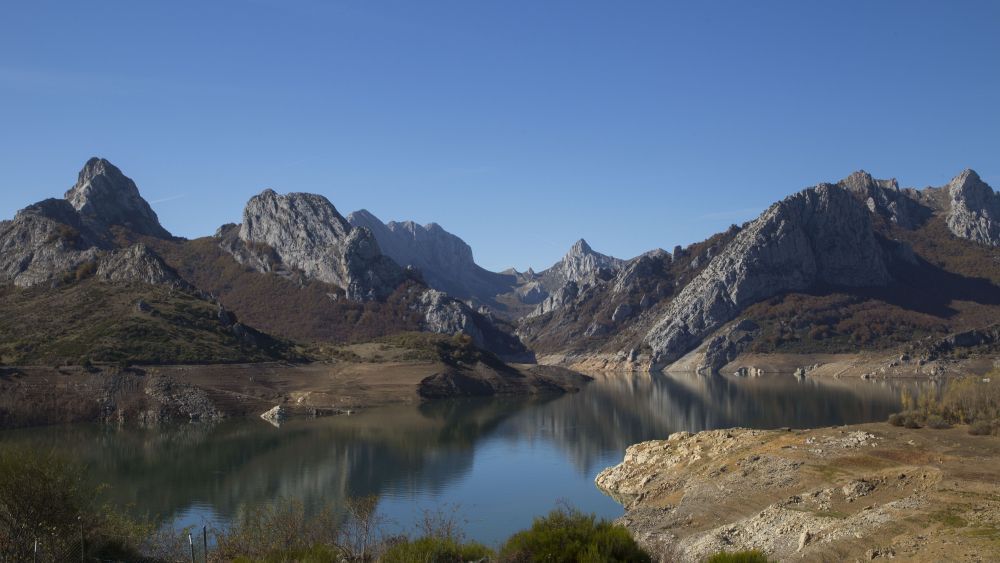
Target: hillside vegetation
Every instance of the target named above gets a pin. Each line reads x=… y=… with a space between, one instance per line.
x=89 y=321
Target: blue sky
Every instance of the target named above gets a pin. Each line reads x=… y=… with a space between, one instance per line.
x=518 y=125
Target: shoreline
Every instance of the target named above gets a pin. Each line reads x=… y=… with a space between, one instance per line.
x=146 y=395
x=857 y=492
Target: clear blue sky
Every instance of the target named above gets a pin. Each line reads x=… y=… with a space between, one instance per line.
x=518 y=125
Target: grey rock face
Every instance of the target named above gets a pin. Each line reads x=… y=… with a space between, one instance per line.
x=369 y=273
x=135 y=264
x=43 y=242
x=822 y=234
x=580 y=264
x=445 y=315
x=724 y=348
x=883 y=197
x=975 y=209
x=557 y=300
x=645 y=266
x=444 y=260
x=103 y=197
x=305 y=232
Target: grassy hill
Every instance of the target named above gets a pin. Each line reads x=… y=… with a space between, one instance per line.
x=90 y=321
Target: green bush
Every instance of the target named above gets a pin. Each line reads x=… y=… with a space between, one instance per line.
x=46 y=498
x=435 y=550
x=751 y=556
x=567 y=535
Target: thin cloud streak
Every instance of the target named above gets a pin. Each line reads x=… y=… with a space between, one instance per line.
x=166 y=199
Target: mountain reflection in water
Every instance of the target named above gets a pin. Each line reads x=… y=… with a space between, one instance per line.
x=501 y=461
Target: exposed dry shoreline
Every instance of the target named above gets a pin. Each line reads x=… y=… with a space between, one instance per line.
x=848 y=493
x=866 y=365
x=32 y=396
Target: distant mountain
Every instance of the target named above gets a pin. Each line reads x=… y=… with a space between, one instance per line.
x=294 y=265
x=860 y=264
x=76 y=286
x=444 y=260
x=580 y=265
x=104 y=197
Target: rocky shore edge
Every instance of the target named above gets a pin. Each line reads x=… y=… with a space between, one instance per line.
x=848 y=493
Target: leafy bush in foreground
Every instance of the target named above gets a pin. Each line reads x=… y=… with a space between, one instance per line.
x=567 y=535
x=46 y=498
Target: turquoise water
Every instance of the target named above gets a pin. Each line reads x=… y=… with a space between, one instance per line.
x=494 y=463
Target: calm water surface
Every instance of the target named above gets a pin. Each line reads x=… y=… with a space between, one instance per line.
x=497 y=463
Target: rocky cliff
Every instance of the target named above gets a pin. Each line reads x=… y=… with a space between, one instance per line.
x=822 y=234
x=105 y=197
x=444 y=260
x=305 y=232
x=44 y=242
x=974 y=212
x=580 y=264
x=58 y=238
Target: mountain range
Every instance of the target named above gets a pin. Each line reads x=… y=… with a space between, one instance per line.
x=860 y=264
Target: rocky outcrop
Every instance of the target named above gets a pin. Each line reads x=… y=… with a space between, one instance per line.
x=820 y=235
x=56 y=238
x=306 y=233
x=557 y=300
x=444 y=260
x=43 y=243
x=884 y=198
x=580 y=264
x=136 y=264
x=975 y=209
x=445 y=315
x=276 y=415
x=105 y=197
x=723 y=348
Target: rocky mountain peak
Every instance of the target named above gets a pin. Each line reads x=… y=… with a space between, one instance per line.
x=307 y=233
x=820 y=235
x=580 y=264
x=444 y=259
x=884 y=198
x=863 y=183
x=580 y=248
x=975 y=209
x=103 y=197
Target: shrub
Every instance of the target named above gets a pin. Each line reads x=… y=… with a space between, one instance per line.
x=937 y=422
x=46 y=498
x=568 y=535
x=274 y=531
x=981 y=428
x=435 y=550
x=966 y=400
x=751 y=556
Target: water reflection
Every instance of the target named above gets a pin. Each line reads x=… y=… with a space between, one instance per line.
x=482 y=453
